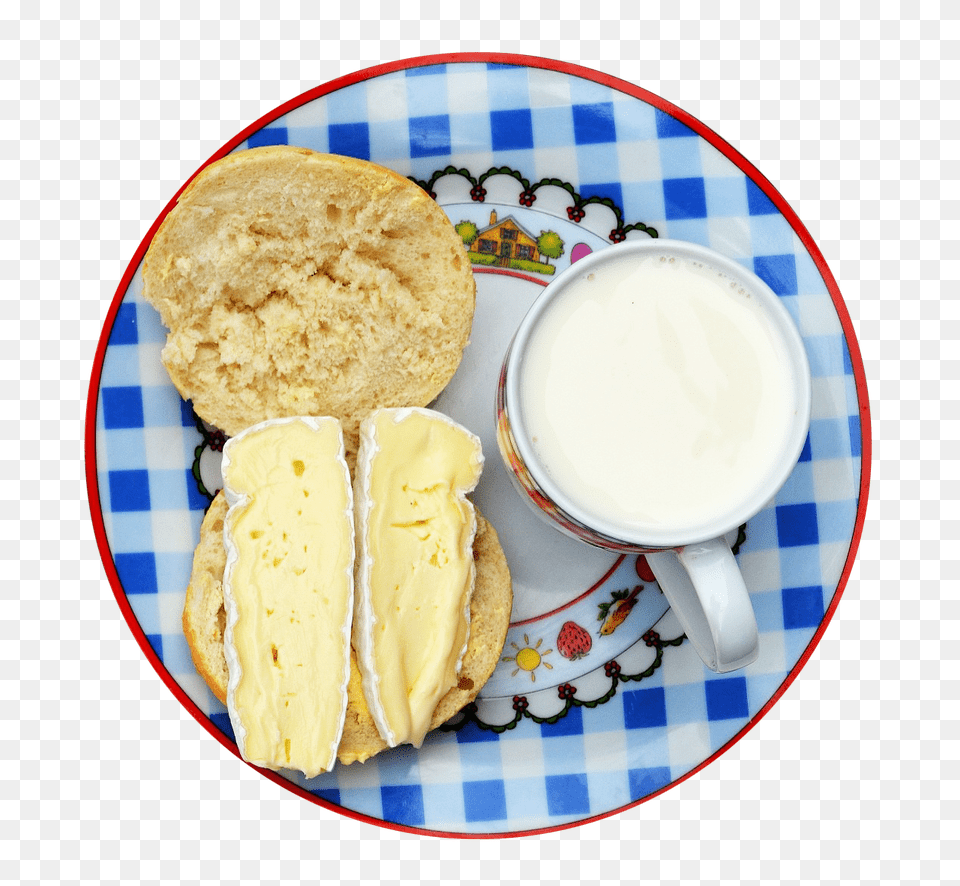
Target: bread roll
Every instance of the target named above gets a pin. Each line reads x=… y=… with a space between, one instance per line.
x=204 y=619
x=299 y=283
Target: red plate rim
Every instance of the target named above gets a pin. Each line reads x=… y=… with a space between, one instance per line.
x=619 y=85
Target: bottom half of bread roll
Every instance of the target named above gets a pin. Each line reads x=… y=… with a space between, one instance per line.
x=204 y=620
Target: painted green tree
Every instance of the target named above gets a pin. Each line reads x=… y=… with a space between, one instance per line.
x=550 y=244
x=468 y=232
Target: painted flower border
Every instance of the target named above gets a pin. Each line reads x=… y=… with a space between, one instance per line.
x=567 y=693
x=576 y=212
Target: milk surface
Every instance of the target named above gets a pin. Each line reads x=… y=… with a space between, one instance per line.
x=655 y=392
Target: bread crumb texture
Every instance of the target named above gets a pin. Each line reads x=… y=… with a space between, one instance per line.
x=204 y=617
x=298 y=283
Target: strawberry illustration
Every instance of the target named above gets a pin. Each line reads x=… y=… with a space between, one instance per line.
x=573 y=641
x=614 y=613
x=644 y=571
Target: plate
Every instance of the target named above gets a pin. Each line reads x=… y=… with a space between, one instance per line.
x=598 y=703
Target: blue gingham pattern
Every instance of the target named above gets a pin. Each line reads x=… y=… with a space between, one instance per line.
x=606 y=143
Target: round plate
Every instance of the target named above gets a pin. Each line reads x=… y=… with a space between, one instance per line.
x=598 y=702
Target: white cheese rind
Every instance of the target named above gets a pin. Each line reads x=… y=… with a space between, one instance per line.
x=237 y=502
x=365 y=618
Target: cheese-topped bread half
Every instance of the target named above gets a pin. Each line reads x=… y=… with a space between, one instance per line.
x=288 y=591
x=415 y=569
x=204 y=618
x=299 y=283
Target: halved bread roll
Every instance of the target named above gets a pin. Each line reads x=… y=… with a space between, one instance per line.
x=299 y=283
x=204 y=619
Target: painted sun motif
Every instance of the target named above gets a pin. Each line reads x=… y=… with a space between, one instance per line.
x=529 y=657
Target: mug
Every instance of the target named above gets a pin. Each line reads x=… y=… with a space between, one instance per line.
x=655 y=397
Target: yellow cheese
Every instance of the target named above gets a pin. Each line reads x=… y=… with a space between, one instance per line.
x=415 y=570
x=288 y=591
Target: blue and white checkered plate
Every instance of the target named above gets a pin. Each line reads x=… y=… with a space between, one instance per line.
x=598 y=702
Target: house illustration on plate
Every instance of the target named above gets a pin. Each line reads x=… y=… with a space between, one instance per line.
x=506 y=240
x=508 y=244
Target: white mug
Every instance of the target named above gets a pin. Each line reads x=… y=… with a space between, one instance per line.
x=654 y=398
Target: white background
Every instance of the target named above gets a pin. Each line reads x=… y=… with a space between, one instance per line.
x=851 y=111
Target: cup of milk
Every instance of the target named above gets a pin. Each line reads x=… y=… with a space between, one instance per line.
x=654 y=398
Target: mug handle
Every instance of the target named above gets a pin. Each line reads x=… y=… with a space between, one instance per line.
x=705 y=589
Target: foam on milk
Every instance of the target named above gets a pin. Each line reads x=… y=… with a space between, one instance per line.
x=655 y=392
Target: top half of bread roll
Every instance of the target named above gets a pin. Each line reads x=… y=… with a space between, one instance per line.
x=294 y=282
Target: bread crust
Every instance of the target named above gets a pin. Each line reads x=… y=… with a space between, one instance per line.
x=490 y=608
x=299 y=283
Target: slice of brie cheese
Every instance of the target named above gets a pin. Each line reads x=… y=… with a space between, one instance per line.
x=288 y=591
x=415 y=567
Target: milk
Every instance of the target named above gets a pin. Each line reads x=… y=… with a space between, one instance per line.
x=656 y=393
